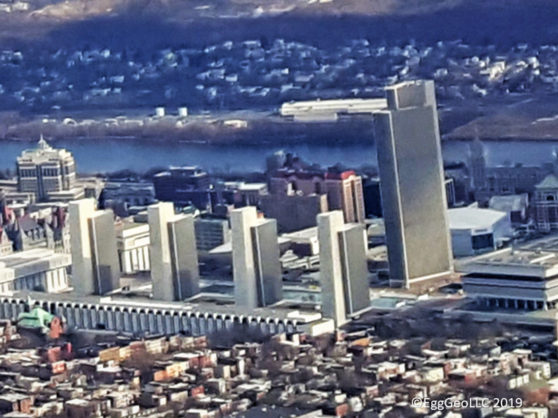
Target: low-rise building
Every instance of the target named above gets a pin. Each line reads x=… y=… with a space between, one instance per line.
x=132 y=243
x=513 y=279
x=37 y=269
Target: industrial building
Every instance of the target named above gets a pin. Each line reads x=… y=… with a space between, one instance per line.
x=412 y=186
x=476 y=230
x=330 y=110
x=174 y=257
x=255 y=251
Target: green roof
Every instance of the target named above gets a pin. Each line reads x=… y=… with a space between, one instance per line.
x=37 y=318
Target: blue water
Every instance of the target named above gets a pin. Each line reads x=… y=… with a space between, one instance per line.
x=103 y=155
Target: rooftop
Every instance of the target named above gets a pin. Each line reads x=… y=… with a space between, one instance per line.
x=473 y=218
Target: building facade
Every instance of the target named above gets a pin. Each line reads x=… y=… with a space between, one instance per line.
x=513 y=279
x=343 y=267
x=256 y=266
x=39 y=269
x=184 y=186
x=211 y=233
x=48 y=173
x=95 y=267
x=132 y=242
x=412 y=185
x=173 y=253
x=294 y=212
x=343 y=189
x=545 y=202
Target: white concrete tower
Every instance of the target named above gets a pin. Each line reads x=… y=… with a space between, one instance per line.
x=173 y=253
x=256 y=266
x=95 y=268
x=80 y=211
x=343 y=267
x=158 y=216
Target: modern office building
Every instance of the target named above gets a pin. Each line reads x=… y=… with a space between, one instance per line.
x=95 y=267
x=132 y=242
x=184 y=186
x=126 y=195
x=513 y=279
x=343 y=269
x=211 y=232
x=412 y=185
x=39 y=269
x=173 y=253
x=256 y=266
x=48 y=173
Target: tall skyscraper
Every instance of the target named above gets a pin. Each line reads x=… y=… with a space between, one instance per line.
x=48 y=173
x=412 y=185
x=343 y=267
x=173 y=253
x=95 y=268
x=256 y=266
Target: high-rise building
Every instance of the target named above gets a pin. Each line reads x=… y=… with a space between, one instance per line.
x=343 y=189
x=95 y=268
x=412 y=185
x=344 y=192
x=48 y=173
x=256 y=266
x=173 y=253
x=343 y=267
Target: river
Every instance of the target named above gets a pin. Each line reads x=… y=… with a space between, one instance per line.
x=105 y=155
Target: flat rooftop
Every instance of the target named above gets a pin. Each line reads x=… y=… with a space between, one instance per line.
x=473 y=218
x=548 y=243
x=22 y=258
x=285 y=311
x=520 y=257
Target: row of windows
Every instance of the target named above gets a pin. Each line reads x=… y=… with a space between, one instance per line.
x=51 y=172
x=47 y=171
x=28 y=173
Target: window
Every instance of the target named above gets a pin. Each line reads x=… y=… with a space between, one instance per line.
x=483 y=241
